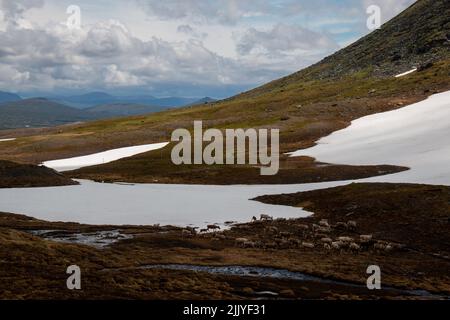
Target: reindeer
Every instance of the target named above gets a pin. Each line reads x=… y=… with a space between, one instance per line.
x=337 y=245
x=213 y=227
x=324 y=223
x=186 y=233
x=308 y=245
x=341 y=225
x=351 y=225
x=354 y=247
x=365 y=238
x=265 y=217
x=240 y=241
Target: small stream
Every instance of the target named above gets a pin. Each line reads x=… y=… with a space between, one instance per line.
x=260 y=272
x=99 y=239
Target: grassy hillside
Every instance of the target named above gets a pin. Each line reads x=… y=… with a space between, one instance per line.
x=123 y=109
x=304 y=106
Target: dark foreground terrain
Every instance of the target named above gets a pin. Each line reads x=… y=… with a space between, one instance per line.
x=16 y=175
x=409 y=225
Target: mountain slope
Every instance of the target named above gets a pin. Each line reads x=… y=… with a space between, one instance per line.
x=88 y=99
x=8 y=97
x=417 y=37
x=38 y=112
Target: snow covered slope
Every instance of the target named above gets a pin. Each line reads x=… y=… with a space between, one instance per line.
x=416 y=136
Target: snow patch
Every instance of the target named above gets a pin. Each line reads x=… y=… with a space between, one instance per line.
x=9 y=139
x=416 y=136
x=406 y=73
x=101 y=157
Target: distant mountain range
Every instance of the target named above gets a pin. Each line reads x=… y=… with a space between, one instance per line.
x=205 y=100
x=16 y=112
x=92 y=99
x=38 y=112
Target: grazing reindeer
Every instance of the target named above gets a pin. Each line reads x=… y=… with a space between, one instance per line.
x=365 y=238
x=308 y=245
x=249 y=244
x=186 y=233
x=354 y=247
x=337 y=245
x=265 y=217
x=241 y=241
x=302 y=229
x=345 y=239
x=220 y=236
x=273 y=230
x=341 y=225
x=192 y=230
x=324 y=223
x=379 y=246
x=212 y=227
x=351 y=225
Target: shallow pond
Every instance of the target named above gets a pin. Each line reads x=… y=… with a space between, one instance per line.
x=148 y=204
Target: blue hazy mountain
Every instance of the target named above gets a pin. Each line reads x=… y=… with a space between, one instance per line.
x=8 y=97
x=93 y=99
x=39 y=112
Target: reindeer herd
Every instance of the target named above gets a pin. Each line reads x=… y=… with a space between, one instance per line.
x=339 y=237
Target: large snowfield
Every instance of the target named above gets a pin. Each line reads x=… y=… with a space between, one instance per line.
x=416 y=136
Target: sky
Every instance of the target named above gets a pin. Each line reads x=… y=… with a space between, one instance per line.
x=190 y=48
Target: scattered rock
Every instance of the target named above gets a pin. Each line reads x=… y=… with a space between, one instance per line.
x=425 y=66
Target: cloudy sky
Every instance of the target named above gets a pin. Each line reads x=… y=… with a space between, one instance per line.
x=172 y=47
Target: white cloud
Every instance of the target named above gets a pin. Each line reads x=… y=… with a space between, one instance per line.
x=185 y=28
x=182 y=44
x=13 y=10
x=284 y=38
x=220 y=11
x=107 y=55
